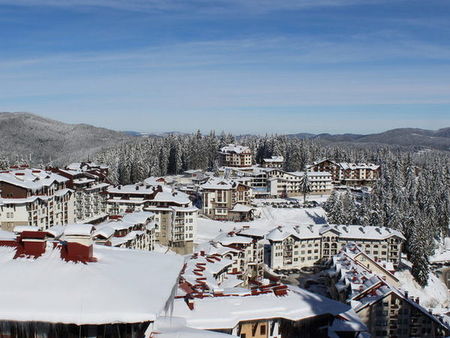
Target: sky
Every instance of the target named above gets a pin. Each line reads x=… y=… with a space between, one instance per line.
x=242 y=66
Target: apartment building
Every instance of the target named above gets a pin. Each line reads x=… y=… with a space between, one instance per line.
x=133 y=231
x=348 y=173
x=224 y=199
x=248 y=254
x=274 y=182
x=235 y=156
x=175 y=216
x=273 y=162
x=34 y=197
x=89 y=183
x=363 y=282
x=295 y=247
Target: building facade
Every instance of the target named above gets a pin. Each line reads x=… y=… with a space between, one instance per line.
x=235 y=156
x=295 y=247
x=34 y=197
x=224 y=199
x=348 y=173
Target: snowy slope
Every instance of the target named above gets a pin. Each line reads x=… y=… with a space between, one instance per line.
x=435 y=295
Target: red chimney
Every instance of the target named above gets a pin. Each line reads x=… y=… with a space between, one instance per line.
x=77 y=252
x=189 y=302
x=31 y=243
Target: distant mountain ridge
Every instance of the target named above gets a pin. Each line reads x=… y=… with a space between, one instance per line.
x=25 y=134
x=436 y=139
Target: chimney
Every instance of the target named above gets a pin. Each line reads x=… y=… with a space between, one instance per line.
x=406 y=294
x=189 y=302
x=31 y=244
x=417 y=300
x=77 y=245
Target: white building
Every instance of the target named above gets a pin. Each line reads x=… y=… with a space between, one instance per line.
x=235 y=156
x=294 y=247
x=273 y=162
x=274 y=182
x=175 y=216
x=348 y=173
x=133 y=230
x=364 y=283
x=89 y=187
x=34 y=197
x=226 y=200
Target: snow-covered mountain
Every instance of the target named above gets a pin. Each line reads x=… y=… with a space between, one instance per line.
x=23 y=134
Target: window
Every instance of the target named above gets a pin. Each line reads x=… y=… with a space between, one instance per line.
x=262 y=330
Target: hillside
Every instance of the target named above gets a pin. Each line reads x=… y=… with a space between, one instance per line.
x=436 y=139
x=23 y=134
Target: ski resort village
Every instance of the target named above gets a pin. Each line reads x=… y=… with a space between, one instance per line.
x=254 y=243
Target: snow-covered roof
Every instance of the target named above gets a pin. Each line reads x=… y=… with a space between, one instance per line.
x=204 y=270
x=172 y=196
x=117 y=241
x=227 y=312
x=105 y=232
x=135 y=294
x=155 y=181
x=343 y=231
x=232 y=148
x=31 y=179
x=274 y=159
x=138 y=189
x=137 y=217
x=175 y=327
x=7 y=235
x=85 y=166
x=229 y=239
x=241 y=208
x=97 y=186
x=56 y=230
x=78 y=230
x=354 y=166
x=215 y=183
x=22 y=228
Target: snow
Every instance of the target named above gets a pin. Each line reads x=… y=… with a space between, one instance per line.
x=242 y=208
x=7 y=235
x=22 y=228
x=134 y=294
x=32 y=179
x=270 y=218
x=175 y=327
x=227 y=312
x=140 y=217
x=274 y=159
x=231 y=148
x=78 y=230
x=434 y=295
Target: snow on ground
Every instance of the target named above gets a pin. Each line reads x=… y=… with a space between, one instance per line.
x=435 y=295
x=309 y=198
x=270 y=218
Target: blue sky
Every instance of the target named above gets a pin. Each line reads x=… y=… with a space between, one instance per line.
x=245 y=66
